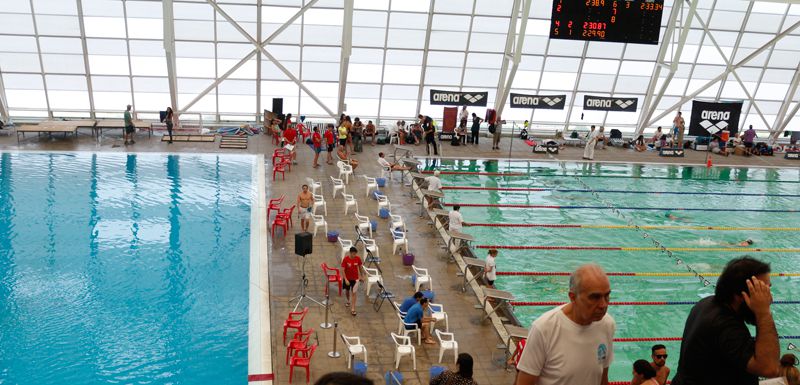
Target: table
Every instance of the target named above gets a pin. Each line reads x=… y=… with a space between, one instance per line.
x=472 y=262
x=119 y=124
x=514 y=333
x=408 y=151
x=50 y=127
x=414 y=177
x=441 y=213
x=430 y=194
x=411 y=163
x=462 y=238
x=503 y=297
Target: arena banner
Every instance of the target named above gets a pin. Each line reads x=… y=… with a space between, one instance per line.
x=709 y=118
x=550 y=102
x=456 y=98
x=602 y=103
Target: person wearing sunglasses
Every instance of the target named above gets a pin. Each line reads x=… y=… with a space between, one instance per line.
x=659 y=363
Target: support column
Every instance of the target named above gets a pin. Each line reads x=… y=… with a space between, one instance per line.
x=3 y=101
x=424 y=59
x=347 y=49
x=504 y=85
x=169 y=50
x=780 y=124
x=86 y=68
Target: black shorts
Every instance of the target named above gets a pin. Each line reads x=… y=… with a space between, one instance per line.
x=748 y=144
x=419 y=326
x=132 y=129
x=342 y=142
x=491 y=283
x=348 y=287
x=330 y=148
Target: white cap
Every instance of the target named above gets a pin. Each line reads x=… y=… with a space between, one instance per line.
x=436 y=173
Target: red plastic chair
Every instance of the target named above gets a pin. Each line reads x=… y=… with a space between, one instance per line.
x=275 y=205
x=518 y=351
x=282 y=223
x=333 y=275
x=304 y=132
x=303 y=362
x=279 y=168
x=298 y=343
x=277 y=153
x=294 y=323
x=286 y=214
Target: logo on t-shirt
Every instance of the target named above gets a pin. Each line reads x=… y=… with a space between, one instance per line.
x=602 y=352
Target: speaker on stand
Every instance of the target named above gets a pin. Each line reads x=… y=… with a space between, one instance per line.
x=303 y=245
x=277 y=106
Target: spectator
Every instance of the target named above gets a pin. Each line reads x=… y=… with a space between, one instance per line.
x=657 y=137
x=643 y=373
x=341 y=152
x=290 y=138
x=639 y=144
x=305 y=203
x=429 y=129
x=573 y=343
x=462 y=375
x=717 y=146
x=789 y=373
x=476 y=128
x=316 y=142
x=463 y=118
x=659 y=363
x=370 y=131
x=677 y=129
x=717 y=347
x=348 y=124
x=330 y=141
x=455 y=219
x=747 y=139
x=352 y=274
x=410 y=301
x=416 y=131
x=130 y=129
x=169 y=120
x=401 y=132
x=416 y=315
x=591 y=141
x=390 y=166
x=498 y=131
x=287 y=122
x=356 y=132
x=490 y=267
x=343 y=378
x=344 y=133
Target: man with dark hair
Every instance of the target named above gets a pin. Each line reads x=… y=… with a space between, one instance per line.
x=429 y=129
x=659 y=363
x=410 y=301
x=717 y=347
x=343 y=378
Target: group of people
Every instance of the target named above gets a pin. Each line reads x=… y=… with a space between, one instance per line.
x=573 y=343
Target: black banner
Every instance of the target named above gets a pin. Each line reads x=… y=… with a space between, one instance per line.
x=709 y=118
x=550 y=102
x=456 y=98
x=671 y=152
x=601 y=103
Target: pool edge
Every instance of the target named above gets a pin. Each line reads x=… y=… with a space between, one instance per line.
x=259 y=363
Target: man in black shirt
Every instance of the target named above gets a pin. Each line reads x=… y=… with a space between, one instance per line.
x=430 y=133
x=717 y=347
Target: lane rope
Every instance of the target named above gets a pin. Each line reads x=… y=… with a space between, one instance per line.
x=477 y=173
x=540 y=189
x=565 y=174
x=656 y=339
x=560 y=207
x=623 y=274
x=631 y=303
x=650 y=227
x=615 y=248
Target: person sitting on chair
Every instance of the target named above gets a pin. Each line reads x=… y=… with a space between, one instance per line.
x=639 y=145
x=341 y=152
x=390 y=166
x=369 y=130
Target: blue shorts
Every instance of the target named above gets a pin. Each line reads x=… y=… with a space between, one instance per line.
x=317 y=149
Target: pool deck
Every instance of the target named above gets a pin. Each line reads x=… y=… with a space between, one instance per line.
x=475 y=337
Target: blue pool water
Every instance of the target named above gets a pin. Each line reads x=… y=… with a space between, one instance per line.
x=124 y=269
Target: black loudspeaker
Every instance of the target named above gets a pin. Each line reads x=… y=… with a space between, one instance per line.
x=277 y=106
x=303 y=244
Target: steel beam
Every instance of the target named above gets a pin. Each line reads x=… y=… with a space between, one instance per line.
x=347 y=50
x=86 y=68
x=789 y=118
x=574 y=86
x=252 y=53
x=469 y=39
x=3 y=101
x=258 y=62
x=383 y=65
x=424 y=58
x=130 y=66
x=736 y=47
x=651 y=101
x=169 y=53
x=742 y=62
x=502 y=94
x=41 y=64
x=779 y=125
x=511 y=36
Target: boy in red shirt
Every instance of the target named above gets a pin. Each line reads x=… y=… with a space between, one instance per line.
x=352 y=274
x=316 y=141
x=290 y=137
x=331 y=141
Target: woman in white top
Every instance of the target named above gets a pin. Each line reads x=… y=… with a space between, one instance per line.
x=643 y=373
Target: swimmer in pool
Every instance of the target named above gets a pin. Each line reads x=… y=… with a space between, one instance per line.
x=745 y=243
x=673 y=217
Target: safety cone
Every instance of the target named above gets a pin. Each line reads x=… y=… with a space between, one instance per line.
x=708 y=162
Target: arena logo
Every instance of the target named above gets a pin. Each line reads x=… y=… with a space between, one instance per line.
x=454 y=98
x=525 y=100
x=721 y=118
x=552 y=102
x=442 y=97
x=602 y=103
x=473 y=98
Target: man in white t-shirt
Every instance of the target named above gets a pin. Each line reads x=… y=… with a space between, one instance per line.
x=490 y=267
x=572 y=344
x=434 y=184
x=455 y=220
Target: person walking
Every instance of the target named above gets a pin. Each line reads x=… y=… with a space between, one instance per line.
x=305 y=204
x=316 y=143
x=572 y=343
x=591 y=142
x=476 y=129
x=490 y=267
x=352 y=275
x=129 y=129
x=429 y=129
x=498 y=130
x=330 y=141
x=717 y=347
x=169 y=119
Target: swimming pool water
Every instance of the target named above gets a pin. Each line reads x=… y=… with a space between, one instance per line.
x=120 y=268
x=699 y=188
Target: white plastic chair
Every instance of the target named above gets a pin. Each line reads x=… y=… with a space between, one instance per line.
x=338 y=185
x=447 y=341
x=385 y=170
x=345 y=244
x=396 y=222
x=422 y=277
x=373 y=277
x=363 y=224
x=319 y=201
x=345 y=170
x=406 y=329
x=349 y=201
x=438 y=314
x=397 y=306
x=355 y=347
x=400 y=240
x=372 y=184
x=383 y=202
x=319 y=220
x=372 y=246
x=394 y=137
x=314 y=186
x=403 y=347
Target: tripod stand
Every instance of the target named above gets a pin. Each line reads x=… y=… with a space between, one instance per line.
x=303 y=283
